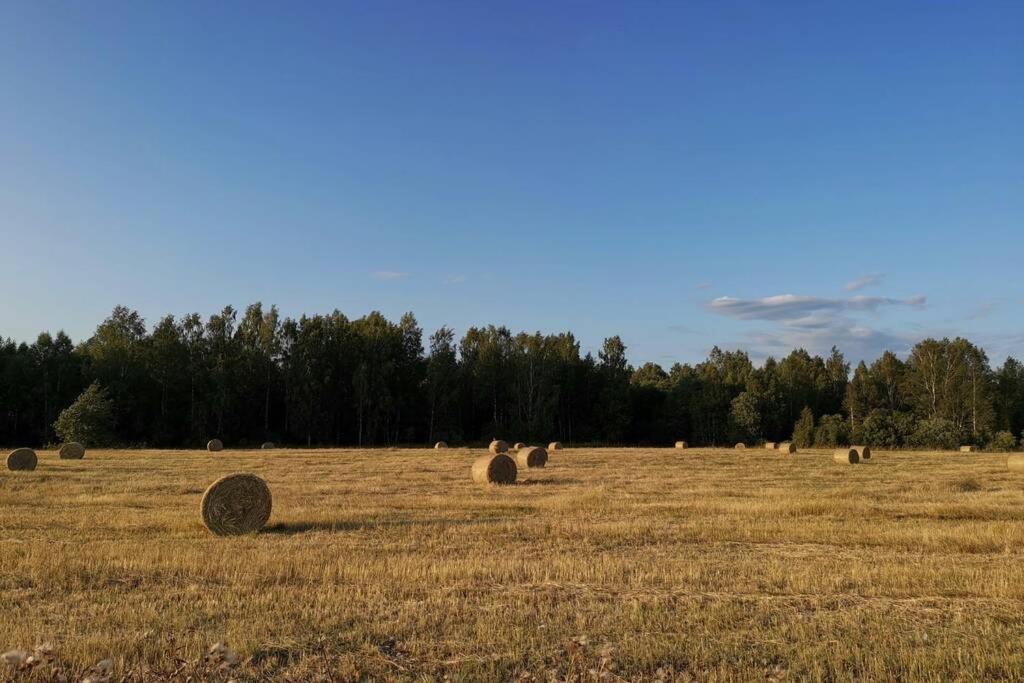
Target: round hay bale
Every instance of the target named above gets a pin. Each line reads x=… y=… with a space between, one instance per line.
x=682 y=444
x=495 y=468
x=214 y=445
x=440 y=445
x=863 y=451
x=967 y=449
x=770 y=445
x=22 y=459
x=268 y=445
x=519 y=444
x=787 y=447
x=1015 y=462
x=72 y=450
x=498 y=446
x=555 y=446
x=847 y=456
x=236 y=504
x=533 y=456
x=741 y=446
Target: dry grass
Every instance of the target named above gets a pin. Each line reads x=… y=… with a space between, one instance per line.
x=649 y=563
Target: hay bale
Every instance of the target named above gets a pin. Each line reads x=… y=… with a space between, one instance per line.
x=555 y=446
x=787 y=447
x=440 y=445
x=770 y=445
x=519 y=444
x=532 y=456
x=72 y=451
x=1015 y=462
x=863 y=451
x=498 y=446
x=740 y=446
x=22 y=459
x=682 y=445
x=495 y=468
x=967 y=449
x=268 y=445
x=236 y=504
x=847 y=456
x=214 y=445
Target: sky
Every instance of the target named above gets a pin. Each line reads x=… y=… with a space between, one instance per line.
x=751 y=175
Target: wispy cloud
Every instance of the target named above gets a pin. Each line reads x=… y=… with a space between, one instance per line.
x=869 y=280
x=703 y=285
x=817 y=323
x=388 y=275
x=455 y=279
x=792 y=307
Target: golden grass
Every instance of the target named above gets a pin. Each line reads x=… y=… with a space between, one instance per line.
x=391 y=564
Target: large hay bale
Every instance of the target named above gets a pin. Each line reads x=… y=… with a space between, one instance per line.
x=555 y=446
x=22 y=459
x=682 y=445
x=494 y=468
x=787 y=447
x=72 y=450
x=770 y=445
x=440 y=445
x=518 y=445
x=268 y=445
x=236 y=504
x=740 y=446
x=1015 y=462
x=847 y=456
x=532 y=456
x=967 y=449
x=498 y=446
x=214 y=445
x=863 y=451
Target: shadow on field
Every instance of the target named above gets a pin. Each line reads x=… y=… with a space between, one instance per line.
x=549 y=482
x=292 y=528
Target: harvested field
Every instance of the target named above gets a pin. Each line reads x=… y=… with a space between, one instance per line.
x=393 y=564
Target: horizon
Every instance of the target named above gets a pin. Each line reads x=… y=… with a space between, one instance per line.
x=750 y=178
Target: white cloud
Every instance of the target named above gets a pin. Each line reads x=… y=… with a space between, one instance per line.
x=863 y=281
x=791 y=307
x=388 y=275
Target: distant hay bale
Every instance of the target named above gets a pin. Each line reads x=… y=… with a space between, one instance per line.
x=22 y=459
x=495 y=468
x=787 y=447
x=498 y=446
x=1015 y=462
x=268 y=445
x=740 y=446
x=967 y=449
x=236 y=504
x=770 y=445
x=555 y=446
x=72 y=451
x=440 y=445
x=847 y=456
x=214 y=445
x=532 y=456
x=682 y=444
x=519 y=444
x=863 y=451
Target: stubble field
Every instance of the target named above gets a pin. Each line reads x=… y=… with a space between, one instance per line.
x=653 y=564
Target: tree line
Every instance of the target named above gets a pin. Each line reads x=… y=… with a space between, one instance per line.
x=323 y=380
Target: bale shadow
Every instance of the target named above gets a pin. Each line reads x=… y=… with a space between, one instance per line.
x=294 y=528
x=554 y=481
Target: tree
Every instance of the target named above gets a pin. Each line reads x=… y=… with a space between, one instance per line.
x=441 y=384
x=833 y=430
x=803 y=430
x=89 y=420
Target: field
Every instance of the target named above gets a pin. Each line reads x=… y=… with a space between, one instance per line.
x=632 y=563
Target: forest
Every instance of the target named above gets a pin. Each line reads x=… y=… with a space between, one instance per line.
x=325 y=380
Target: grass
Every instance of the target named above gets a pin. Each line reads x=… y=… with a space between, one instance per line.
x=640 y=564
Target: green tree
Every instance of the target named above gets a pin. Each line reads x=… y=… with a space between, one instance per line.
x=803 y=430
x=89 y=420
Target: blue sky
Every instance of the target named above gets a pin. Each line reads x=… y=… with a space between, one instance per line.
x=753 y=175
